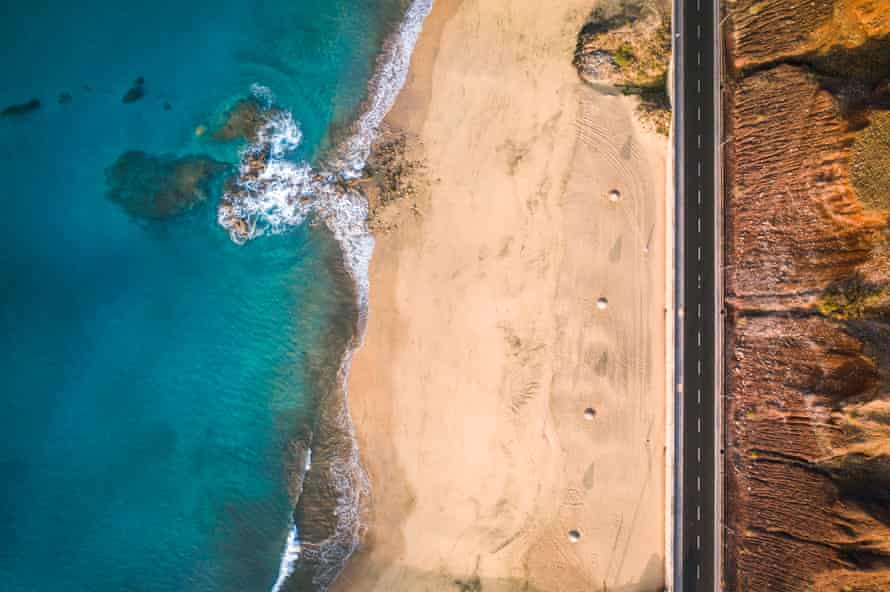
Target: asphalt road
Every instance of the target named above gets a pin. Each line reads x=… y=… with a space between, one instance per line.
x=696 y=551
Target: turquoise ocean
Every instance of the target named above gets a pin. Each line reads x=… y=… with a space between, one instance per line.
x=173 y=417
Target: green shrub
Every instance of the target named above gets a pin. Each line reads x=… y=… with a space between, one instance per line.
x=624 y=56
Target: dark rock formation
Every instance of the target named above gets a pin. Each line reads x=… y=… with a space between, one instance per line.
x=21 y=108
x=136 y=92
x=243 y=121
x=157 y=187
x=65 y=98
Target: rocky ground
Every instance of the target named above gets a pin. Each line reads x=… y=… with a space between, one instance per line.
x=808 y=412
x=395 y=173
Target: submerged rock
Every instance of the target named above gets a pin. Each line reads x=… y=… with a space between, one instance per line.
x=136 y=92
x=21 y=108
x=65 y=98
x=157 y=187
x=243 y=121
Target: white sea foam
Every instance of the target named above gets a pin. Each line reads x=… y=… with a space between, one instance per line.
x=388 y=80
x=289 y=557
x=285 y=194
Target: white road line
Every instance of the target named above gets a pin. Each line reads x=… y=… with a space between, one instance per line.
x=699 y=225
x=699 y=338
x=698 y=31
x=699 y=113
x=699 y=197
x=698 y=83
x=698 y=571
x=698 y=57
x=698 y=483
x=699 y=253
x=698 y=513
x=698 y=453
x=699 y=141
x=699 y=425
x=699 y=168
x=698 y=5
x=699 y=310
x=699 y=396
x=698 y=542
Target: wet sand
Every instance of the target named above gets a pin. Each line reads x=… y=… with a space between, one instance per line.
x=485 y=343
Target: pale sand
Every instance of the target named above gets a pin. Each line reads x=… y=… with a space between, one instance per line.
x=485 y=345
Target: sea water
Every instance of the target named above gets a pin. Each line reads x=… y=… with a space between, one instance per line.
x=162 y=383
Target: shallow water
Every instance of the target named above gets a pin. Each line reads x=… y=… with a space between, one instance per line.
x=156 y=375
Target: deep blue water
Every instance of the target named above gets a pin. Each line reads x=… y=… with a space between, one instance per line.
x=154 y=373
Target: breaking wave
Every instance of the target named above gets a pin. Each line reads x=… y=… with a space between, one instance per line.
x=289 y=556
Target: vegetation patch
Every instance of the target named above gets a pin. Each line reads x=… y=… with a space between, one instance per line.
x=870 y=162
x=855 y=298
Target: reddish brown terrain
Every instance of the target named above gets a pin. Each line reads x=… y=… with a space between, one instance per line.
x=807 y=457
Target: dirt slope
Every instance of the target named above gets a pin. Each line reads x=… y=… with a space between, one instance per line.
x=807 y=410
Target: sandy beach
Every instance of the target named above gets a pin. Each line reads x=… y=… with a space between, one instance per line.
x=485 y=342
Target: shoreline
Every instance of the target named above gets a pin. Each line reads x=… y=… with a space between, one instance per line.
x=274 y=193
x=500 y=365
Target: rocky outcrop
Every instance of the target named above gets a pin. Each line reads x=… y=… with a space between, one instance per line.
x=394 y=175
x=627 y=44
